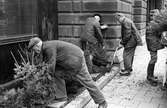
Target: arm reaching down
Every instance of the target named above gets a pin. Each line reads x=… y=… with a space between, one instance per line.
x=50 y=59
x=98 y=33
x=137 y=34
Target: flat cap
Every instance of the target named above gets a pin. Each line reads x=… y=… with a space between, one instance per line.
x=119 y=14
x=33 y=42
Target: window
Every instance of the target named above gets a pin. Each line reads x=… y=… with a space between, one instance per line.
x=18 y=19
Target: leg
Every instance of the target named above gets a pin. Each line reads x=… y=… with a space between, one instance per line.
x=165 y=77
x=83 y=45
x=119 y=54
x=150 y=68
x=151 y=65
x=128 y=56
x=88 y=61
x=61 y=88
x=85 y=79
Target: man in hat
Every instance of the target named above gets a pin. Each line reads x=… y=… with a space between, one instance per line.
x=67 y=59
x=130 y=39
x=93 y=44
x=153 y=39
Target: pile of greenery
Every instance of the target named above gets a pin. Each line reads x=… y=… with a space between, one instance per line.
x=159 y=20
x=38 y=86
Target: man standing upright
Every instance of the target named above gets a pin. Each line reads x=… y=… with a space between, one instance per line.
x=153 y=37
x=130 y=39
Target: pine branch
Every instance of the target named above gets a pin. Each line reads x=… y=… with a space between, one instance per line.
x=22 y=57
x=17 y=64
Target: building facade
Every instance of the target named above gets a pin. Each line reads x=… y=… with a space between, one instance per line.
x=64 y=20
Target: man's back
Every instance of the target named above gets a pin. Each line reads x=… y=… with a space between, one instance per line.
x=91 y=30
x=63 y=48
x=62 y=53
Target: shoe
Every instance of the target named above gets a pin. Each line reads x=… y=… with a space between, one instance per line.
x=150 y=75
x=123 y=70
x=125 y=73
x=155 y=77
x=61 y=99
x=165 y=86
x=139 y=43
x=153 y=80
x=153 y=83
x=103 y=105
x=131 y=70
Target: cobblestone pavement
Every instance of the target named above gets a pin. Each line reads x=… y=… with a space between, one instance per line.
x=134 y=91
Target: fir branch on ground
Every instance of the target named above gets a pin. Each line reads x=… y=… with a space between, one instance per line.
x=38 y=86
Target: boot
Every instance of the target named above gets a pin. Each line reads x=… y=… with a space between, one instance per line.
x=103 y=105
x=150 y=75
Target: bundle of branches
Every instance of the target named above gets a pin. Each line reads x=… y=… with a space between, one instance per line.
x=38 y=86
x=159 y=20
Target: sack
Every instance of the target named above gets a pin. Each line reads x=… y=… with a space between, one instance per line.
x=164 y=38
x=119 y=54
x=99 y=61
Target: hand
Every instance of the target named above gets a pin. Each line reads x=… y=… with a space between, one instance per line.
x=139 y=43
x=105 y=26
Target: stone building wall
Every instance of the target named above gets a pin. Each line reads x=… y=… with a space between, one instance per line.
x=73 y=13
x=140 y=12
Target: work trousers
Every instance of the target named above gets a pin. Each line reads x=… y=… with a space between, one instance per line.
x=85 y=79
x=154 y=57
x=97 y=53
x=151 y=65
x=128 y=56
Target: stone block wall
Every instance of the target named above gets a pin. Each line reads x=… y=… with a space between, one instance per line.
x=73 y=13
x=140 y=12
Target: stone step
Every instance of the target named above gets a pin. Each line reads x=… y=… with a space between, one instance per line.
x=84 y=98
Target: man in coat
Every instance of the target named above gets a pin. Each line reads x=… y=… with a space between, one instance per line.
x=67 y=59
x=92 y=42
x=130 y=39
x=153 y=37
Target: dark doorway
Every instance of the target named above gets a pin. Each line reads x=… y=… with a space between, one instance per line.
x=47 y=19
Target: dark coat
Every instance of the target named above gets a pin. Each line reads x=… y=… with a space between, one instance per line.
x=62 y=57
x=153 y=37
x=130 y=34
x=92 y=31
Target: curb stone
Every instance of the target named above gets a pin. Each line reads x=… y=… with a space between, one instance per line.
x=84 y=98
